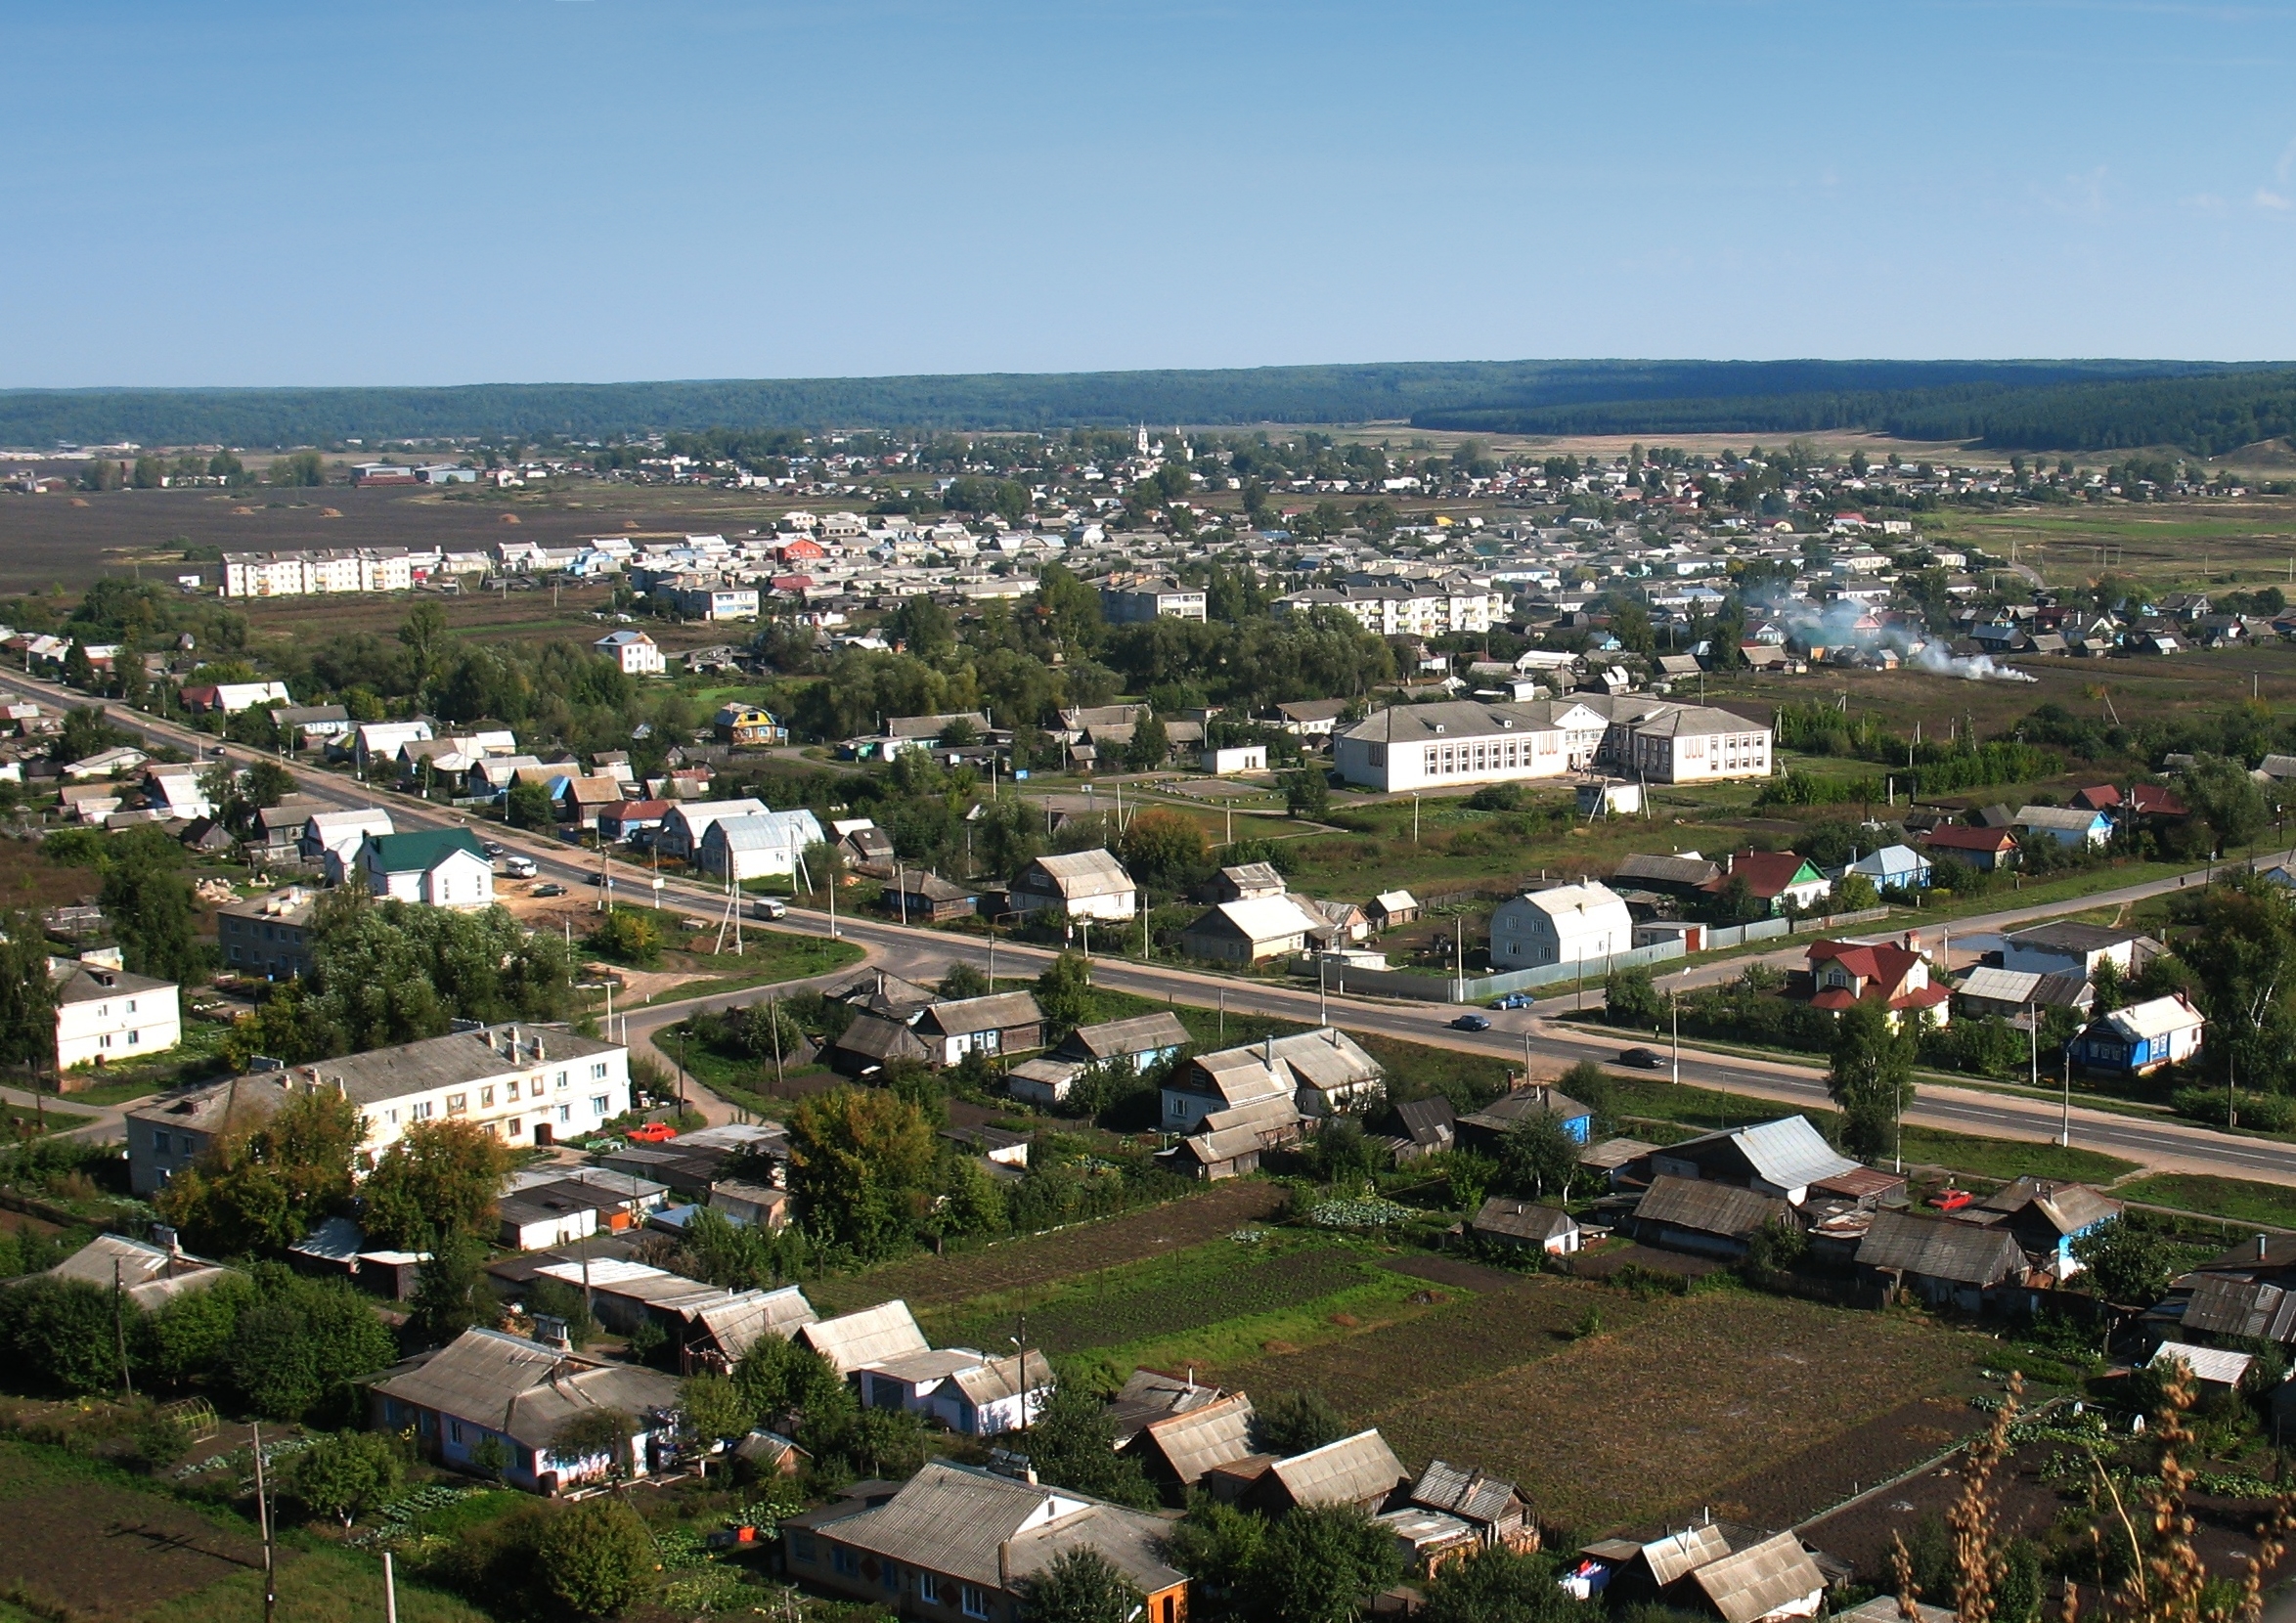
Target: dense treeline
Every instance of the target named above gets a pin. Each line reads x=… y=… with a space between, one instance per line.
x=1263 y=394
x=2211 y=414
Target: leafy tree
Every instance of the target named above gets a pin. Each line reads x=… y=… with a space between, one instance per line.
x=1164 y=849
x=1854 y=892
x=1295 y=1422
x=972 y=1202
x=27 y=995
x=1064 y=991
x=153 y=914
x=715 y=1406
x=84 y=732
x=347 y=1473
x=1080 y=1587
x=1307 y=793
x=1872 y=1078
x=191 y=1334
x=439 y=1179
x=529 y=806
x=265 y=1187
x=1590 y=1084
x=1630 y=998
x=1318 y=1564
x=861 y=1166
x=1150 y=745
x=595 y=1558
x=1073 y=1445
x=2223 y=796
x=555 y=1299
x=61 y=1333
x=2127 y=1265
x=301 y=1342
x=1538 y=1155
x=964 y=980
x=423 y=635
x=2239 y=940
x=628 y=935
x=1217 y=1544
x=1495 y=1585
x=778 y=1380
x=450 y=1291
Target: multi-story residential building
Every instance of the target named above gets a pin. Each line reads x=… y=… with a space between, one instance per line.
x=705 y=600
x=105 y=1016
x=524 y=1084
x=267 y=934
x=1150 y=599
x=301 y=574
x=1406 y=608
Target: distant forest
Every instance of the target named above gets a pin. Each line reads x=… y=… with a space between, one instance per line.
x=2035 y=405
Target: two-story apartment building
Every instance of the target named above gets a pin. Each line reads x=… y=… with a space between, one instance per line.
x=106 y=1015
x=1136 y=601
x=1467 y=742
x=269 y=936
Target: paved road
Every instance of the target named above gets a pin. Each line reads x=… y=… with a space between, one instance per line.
x=922 y=955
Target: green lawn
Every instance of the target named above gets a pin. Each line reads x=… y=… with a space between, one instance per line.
x=2238 y=1198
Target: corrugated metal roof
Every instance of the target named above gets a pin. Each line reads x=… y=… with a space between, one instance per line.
x=2206 y=1363
x=1346 y=1473
x=2223 y=1304
x=1937 y=1248
x=1706 y=1208
x=1464 y=1492
x=737 y=1325
x=2156 y=1017
x=1216 y=1433
x=1770 y=1579
x=885 y=1331
x=1151 y=1395
x=1790 y=1153
x=1669 y=1558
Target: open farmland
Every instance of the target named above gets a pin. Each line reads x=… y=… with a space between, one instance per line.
x=1043 y=1259
x=79 y=1545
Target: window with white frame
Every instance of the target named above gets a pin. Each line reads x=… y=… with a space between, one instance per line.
x=973 y=1600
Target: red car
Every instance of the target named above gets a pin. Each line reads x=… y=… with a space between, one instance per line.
x=651 y=1132
x=1951 y=1200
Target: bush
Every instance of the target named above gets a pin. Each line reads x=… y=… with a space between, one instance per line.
x=627 y=935
x=348 y=1473
x=594 y=1558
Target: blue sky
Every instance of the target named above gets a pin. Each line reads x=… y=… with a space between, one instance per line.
x=456 y=191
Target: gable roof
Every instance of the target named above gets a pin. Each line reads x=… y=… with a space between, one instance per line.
x=1961 y=837
x=1761 y=1579
x=1346 y=1473
x=1786 y=1153
x=869 y=1337
x=1937 y=1248
x=520 y=1389
x=419 y=850
x=1464 y=1492
x=2068 y=1208
x=1704 y=1207
x=996 y=1012
x=1151 y=1395
x=1769 y=874
x=1135 y=1035
x=2225 y=1304
x=1267 y=918
x=1195 y=1441
x=1523 y=1220
x=1669 y=1557
x=1081 y=873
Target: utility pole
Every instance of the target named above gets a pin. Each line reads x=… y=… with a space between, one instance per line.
x=391 y=1591
x=1674 y=1014
x=128 y=1384
x=263 y=1525
x=1323 y=1016
x=2064 y=1133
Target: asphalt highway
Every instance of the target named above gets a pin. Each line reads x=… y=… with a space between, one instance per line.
x=1532 y=1036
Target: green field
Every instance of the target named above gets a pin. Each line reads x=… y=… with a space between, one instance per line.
x=2237 y=1199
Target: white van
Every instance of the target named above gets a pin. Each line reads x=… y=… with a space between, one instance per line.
x=520 y=867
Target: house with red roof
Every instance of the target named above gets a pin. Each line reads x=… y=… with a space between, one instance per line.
x=1980 y=848
x=2150 y=800
x=1778 y=879
x=2102 y=797
x=1894 y=974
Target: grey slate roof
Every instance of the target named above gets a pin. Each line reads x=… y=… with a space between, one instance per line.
x=150 y=1276
x=1346 y=1473
x=2223 y=1304
x=974 y=1526
x=1216 y=1433
x=1137 y=1035
x=1669 y=1558
x=522 y=1389
x=1763 y=1578
x=1516 y=1219
x=1707 y=1207
x=1938 y=1248
x=869 y=1337
x=1151 y=1395
x=1464 y=1492
x=998 y=1012
x=443 y=1062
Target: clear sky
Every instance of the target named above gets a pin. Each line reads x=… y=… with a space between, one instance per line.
x=453 y=191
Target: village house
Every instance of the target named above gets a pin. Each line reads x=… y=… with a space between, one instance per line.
x=2139 y=1039
x=1392 y=909
x=747 y=724
x=1245 y=882
x=763 y=845
x=1946 y=1263
x=1176 y=1450
x=146 y=1275
x=431 y=867
x=1524 y=1225
x=869 y=1337
x=1565 y=924
x=688 y=821
x=1361 y=1471
x=1081 y=885
x=1894 y=868
x=338 y=835
x=1785 y=1159
x=1844 y=974
x=1778 y=881
x=1982 y=848
x=957 y=1544
x=1001 y=1022
x=916 y=896
x=971 y=1393
x=1485 y=1131
x=1249 y=932
x=2014 y=994
x=634 y=652
x=1692 y=1215
x=2069 y=948
x=2044 y=1217
x=486 y=1386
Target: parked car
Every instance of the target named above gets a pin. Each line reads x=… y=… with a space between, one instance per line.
x=651 y=1132
x=493 y=848
x=551 y=888
x=1471 y=1023
x=772 y=907
x=1643 y=1059
x=1515 y=1000
x=520 y=867
x=1951 y=1200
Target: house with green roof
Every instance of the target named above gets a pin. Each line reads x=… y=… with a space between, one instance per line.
x=434 y=867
